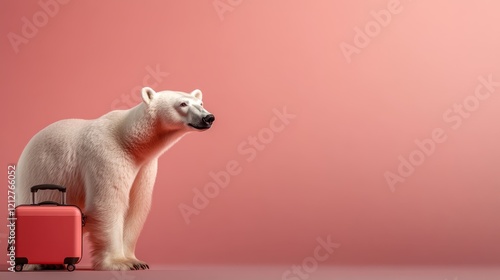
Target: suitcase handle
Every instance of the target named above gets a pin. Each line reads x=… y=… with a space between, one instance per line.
x=48 y=187
x=36 y=188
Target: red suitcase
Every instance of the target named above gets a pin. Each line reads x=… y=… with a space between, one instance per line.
x=48 y=232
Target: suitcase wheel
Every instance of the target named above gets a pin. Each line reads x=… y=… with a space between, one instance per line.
x=18 y=267
x=70 y=267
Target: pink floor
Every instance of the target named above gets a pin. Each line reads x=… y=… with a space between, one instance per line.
x=272 y=272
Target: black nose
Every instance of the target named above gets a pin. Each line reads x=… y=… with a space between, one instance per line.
x=208 y=119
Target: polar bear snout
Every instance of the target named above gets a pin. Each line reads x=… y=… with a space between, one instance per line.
x=203 y=123
x=208 y=119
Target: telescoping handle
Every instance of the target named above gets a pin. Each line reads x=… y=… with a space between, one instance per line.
x=36 y=188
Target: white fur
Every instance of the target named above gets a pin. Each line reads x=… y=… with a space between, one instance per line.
x=108 y=166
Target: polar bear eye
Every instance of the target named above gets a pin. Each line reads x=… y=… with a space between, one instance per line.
x=183 y=104
x=201 y=104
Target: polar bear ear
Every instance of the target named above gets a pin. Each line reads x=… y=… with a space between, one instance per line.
x=197 y=93
x=148 y=94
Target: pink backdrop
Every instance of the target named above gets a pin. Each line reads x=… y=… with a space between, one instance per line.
x=373 y=87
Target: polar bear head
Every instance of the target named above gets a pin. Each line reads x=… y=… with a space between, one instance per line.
x=178 y=110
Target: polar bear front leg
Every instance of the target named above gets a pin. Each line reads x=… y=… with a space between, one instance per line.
x=139 y=206
x=107 y=201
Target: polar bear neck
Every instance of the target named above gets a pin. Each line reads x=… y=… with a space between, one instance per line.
x=143 y=137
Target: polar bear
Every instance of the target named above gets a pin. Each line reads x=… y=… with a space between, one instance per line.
x=108 y=166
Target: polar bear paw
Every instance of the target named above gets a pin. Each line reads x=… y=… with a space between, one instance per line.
x=138 y=265
x=121 y=264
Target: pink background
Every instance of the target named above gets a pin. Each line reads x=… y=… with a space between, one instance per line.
x=323 y=174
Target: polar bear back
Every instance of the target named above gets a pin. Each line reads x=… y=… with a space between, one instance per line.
x=55 y=155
